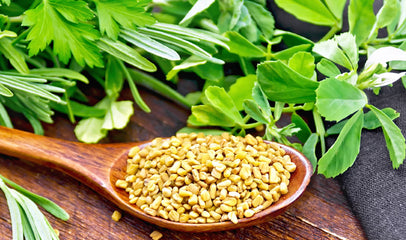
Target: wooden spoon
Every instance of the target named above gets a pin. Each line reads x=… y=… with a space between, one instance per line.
x=100 y=165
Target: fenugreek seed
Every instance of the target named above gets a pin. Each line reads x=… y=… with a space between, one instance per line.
x=215 y=215
x=235 y=178
x=226 y=208
x=175 y=167
x=183 y=218
x=121 y=184
x=278 y=166
x=185 y=193
x=133 y=151
x=224 y=184
x=251 y=140
x=223 y=194
x=267 y=204
x=132 y=169
x=150 y=211
x=193 y=214
x=210 y=220
x=162 y=213
x=215 y=173
x=234 y=194
x=174 y=216
x=230 y=201
x=291 y=167
x=195 y=175
x=213 y=190
x=245 y=171
x=273 y=175
x=116 y=216
x=156 y=203
x=181 y=210
x=205 y=195
x=233 y=217
x=192 y=200
x=155 y=235
x=257 y=172
x=249 y=213
x=283 y=188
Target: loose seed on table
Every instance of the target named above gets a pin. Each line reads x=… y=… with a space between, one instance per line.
x=192 y=178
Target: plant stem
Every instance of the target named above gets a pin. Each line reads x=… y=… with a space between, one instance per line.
x=320 y=130
x=331 y=33
x=17 y=19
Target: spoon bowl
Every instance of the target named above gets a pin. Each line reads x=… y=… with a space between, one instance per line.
x=99 y=166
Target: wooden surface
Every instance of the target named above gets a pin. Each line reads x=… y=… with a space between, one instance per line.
x=321 y=213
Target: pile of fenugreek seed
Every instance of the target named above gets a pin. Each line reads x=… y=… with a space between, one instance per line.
x=192 y=178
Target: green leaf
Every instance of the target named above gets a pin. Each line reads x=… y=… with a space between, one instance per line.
x=112 y=13
x=328 y=68
x=388 y=13
x=114 y=77
x=126 y=53
x=330 y=50
x=62 y=21
x=89 y=130
x=149 y=45
x=209 y=71
x=312 y=11
x=242 y=90
x=47 y=204
x=197 y=8
x=370 y=121
x=281 y=83
x=15 y=56
x=288 y=53
x=259 y=97
x=242 y=46
x=252 y=109
x=336 y=7
x=221 y=100
x=118 y=115
x=4 y=117
x=5 y=91
x=361 y=18
x=262 y=17
x=15 y=214
x=348 y=44
x=395 y=141
x=309 y=150
x=305 y=131
x=292 y=39
x=80 y=110
x=207 y=115
x=337 y=99
x=60 y=72
x=188 y=63
x=303 y=63
x=345 y=150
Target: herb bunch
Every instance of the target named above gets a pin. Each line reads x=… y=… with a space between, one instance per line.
x=327 y=78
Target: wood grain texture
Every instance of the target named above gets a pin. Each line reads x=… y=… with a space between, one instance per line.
x=321 y=213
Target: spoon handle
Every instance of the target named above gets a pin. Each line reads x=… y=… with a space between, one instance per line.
x=88 y=163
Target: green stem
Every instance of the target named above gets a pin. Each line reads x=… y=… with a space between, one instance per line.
x=159 y=87
x=320 y=130
x=20 y=36
x=137 y=97
x=251 y=125
x=17 y=19
x=331 y=33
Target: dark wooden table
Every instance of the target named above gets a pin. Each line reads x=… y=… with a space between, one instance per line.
x=321 y=213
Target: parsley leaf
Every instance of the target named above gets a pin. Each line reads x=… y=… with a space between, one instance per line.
x=62 y=21
x=111 y=13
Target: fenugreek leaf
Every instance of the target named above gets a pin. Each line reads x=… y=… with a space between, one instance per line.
x=313 y=11
x=262 y=17
x=259 y=97
x=221 y=100
x=309 y=149
x=242 y=46
x=336 y=7
x=395 y=141
x=303 y=63
x=252 y=109
x=345 y=149
x=240 y=90
x=370 y=121
x=328 y=68
x=338 y=99
x=89 y=130
x=330 y=50
x=305 y=131
x=207 y=115
x=361 y=18
x=281 y=83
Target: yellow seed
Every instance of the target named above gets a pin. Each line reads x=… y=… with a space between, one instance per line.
x=249 y=213
x=226 y=208
x=162 y=213
x=173 y=215
x=233 y=217
x=121 y=184
x=150 y=211
x=258 y=200
x=132 y=169
x=205 y=195
x=273 y=175
x=205 y=214
x=257 y=172
x=230 y=201
x=116 y=216
x=215 y=173
x=215 y=215
x=193 y=214
x=133 y=151
x=155 y=235
x=224 y=184
x=213 y=190
x=245 y=171
x=283 y=188
x=185 y=193
x=192 y=200
x=184 y=218
x=278 y=166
